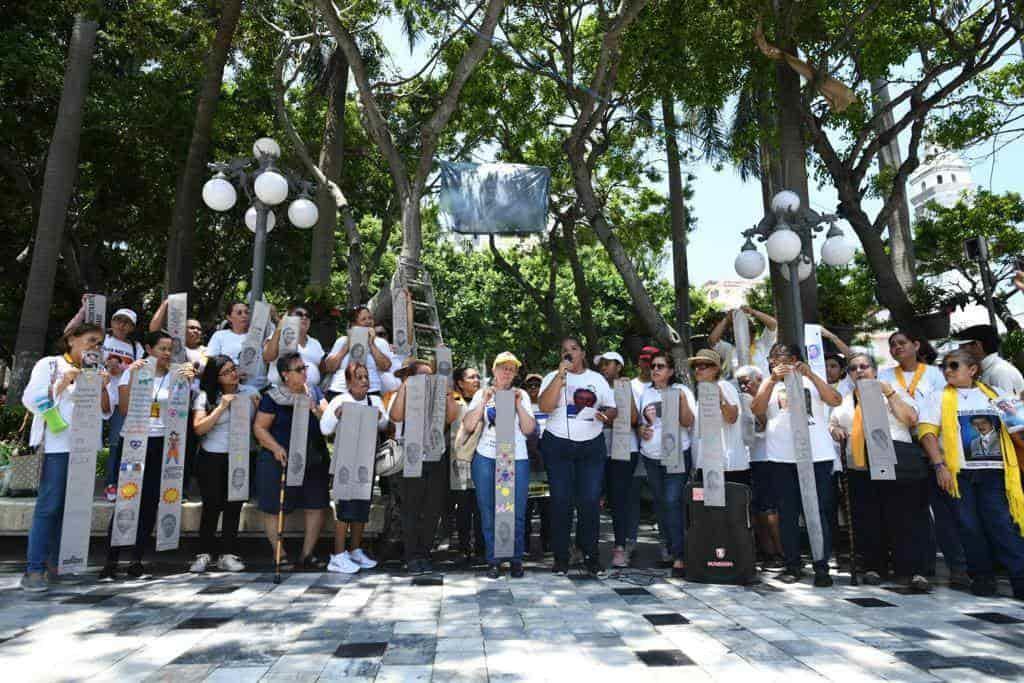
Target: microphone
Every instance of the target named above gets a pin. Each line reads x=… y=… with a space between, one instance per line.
x=567 y=358
x=565 y=392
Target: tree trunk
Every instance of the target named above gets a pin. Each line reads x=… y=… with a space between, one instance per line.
x=58 y=185
x=680 y=221
x=579 y=279
x=901 y=238
x=181 y=239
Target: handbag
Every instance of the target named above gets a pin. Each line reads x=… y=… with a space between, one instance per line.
x=26 y=463
x=466 y=442
x=389 y=459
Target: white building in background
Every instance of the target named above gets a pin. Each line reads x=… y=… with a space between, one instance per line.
x=944 y=178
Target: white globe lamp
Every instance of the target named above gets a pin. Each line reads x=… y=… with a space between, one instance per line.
x=750 y=262
x=785 y=202
x=302 y=213
x=266 y=146
x=250 y=219
x=271 y=188
x=837 y=249
x=783 y=245
x=803 y=271
x=219 y=194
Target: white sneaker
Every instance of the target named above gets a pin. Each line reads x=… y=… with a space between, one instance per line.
x=200 y=564
x=342 y=564
x=362 y=559
x=230 y=563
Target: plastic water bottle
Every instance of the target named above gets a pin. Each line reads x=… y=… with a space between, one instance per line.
x=54 y=420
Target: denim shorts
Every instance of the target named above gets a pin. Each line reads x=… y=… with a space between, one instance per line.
x=312 y=495
x=352 y=510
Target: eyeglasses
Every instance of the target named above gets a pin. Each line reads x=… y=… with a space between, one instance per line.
x=659 y=366
x=745 y=381
x=227 y=371
x=702 y=366
x=863 y=366
x=953 y=365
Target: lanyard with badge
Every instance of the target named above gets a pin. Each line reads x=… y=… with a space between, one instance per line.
x=154 y=407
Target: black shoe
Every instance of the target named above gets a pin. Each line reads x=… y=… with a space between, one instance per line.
x=136 y=570
x=984 y=588
x=426 y=567
x=822 y=580
x=413 y=567
x=593 y=567
x=678 y=572
x=560 y=568
x=790 y=575
x=108 y=573
x=919 y=584
x=517 y=571
x=871 y=579
x=494 y=571
x=311 y=563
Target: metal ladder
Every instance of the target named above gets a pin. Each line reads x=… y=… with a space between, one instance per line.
x=426 y=325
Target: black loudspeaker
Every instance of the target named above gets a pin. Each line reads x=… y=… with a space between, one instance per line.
x=720 y=541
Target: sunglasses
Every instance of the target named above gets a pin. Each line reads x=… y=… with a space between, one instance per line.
x=953 y=365
x=659 y=366
x=863 y=366
x=300 y=314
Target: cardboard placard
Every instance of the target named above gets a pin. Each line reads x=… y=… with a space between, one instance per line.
x=86 y=435
x=741 y=335
x=815 y=349
x=877 y=436
x=622 y=430
x=172 y=473
x=403 y=338
x=355 y=444
x=505 y=473
x=712 y=452
x=239 y=435
x=96 y=310
x=135 y=433
x=798 y=422
x=288 y=342
x=177 y=325
x=672 y=456
x=250 y=359
x=297 y=441
x=416 y=399
x=358 y=345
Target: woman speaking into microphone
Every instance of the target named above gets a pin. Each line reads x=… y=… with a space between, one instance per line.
x=579 y=403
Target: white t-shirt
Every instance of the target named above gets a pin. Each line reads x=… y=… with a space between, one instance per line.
x=931 y=381
x=1001 y=375
x=125 y=352
x=650 y=415
x=736 y=457
x=842 y=415
x=216 y=440
x=329 y=421
x=759 y=352
x=779 y=432
x=226 y=343
x=160 y=394
x=338 y=381
x=979 y=426
x=45 y=374
x=312 y=353
x=488 y=443
x=588 y=391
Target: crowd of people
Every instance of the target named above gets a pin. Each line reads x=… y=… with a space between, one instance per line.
x=953 y=428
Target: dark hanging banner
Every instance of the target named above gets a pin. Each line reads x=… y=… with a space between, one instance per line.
x=500 y=199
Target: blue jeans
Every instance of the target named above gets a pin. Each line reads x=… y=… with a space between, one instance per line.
x=945 y=528
x=667 y=491
x=786 y=486
x=620 y=489
x=482 y=470
x=575 y=475
x=115 y=423
x=987 y=530
x=48 y=517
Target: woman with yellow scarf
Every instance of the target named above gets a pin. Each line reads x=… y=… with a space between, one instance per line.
x=975 y=463
x=888 y=514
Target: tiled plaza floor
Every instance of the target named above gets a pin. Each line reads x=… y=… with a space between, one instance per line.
x=460 y=626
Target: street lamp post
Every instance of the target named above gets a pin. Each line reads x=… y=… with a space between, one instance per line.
x=783 y=230
x=265 y=188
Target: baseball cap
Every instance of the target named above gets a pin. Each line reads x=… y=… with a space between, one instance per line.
x=609 y=355
x=986 y=334
x=505 y=357
x=126 y=313
x=708 y=356
x=648 y=351
x=533 y=376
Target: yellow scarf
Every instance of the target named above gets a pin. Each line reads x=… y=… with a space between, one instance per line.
x=918 y=374
x=949 y=433
x=857 y=443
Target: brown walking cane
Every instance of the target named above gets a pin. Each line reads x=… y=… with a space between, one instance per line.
x=280 y=525
x=848 y=511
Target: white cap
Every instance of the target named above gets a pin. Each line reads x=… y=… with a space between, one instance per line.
x=127 y=313
x=609 y=355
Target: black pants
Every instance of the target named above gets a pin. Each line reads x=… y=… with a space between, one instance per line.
x=541 y=507
x=889 y=516
x=423 y=500
x=148 y=503
x=212 y=471
x=467 y=522
x=786 y=485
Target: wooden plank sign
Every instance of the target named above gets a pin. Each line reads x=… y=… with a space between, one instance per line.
x=297 y=442
x=403 y=337
x=505 y=473
x=672 y=456
x=86 y=433
x=416 y=398
x=877 y=435
x=177 y=325
x=805 y=463
x=712 y=450
x=355 y=443
x=622 y=430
